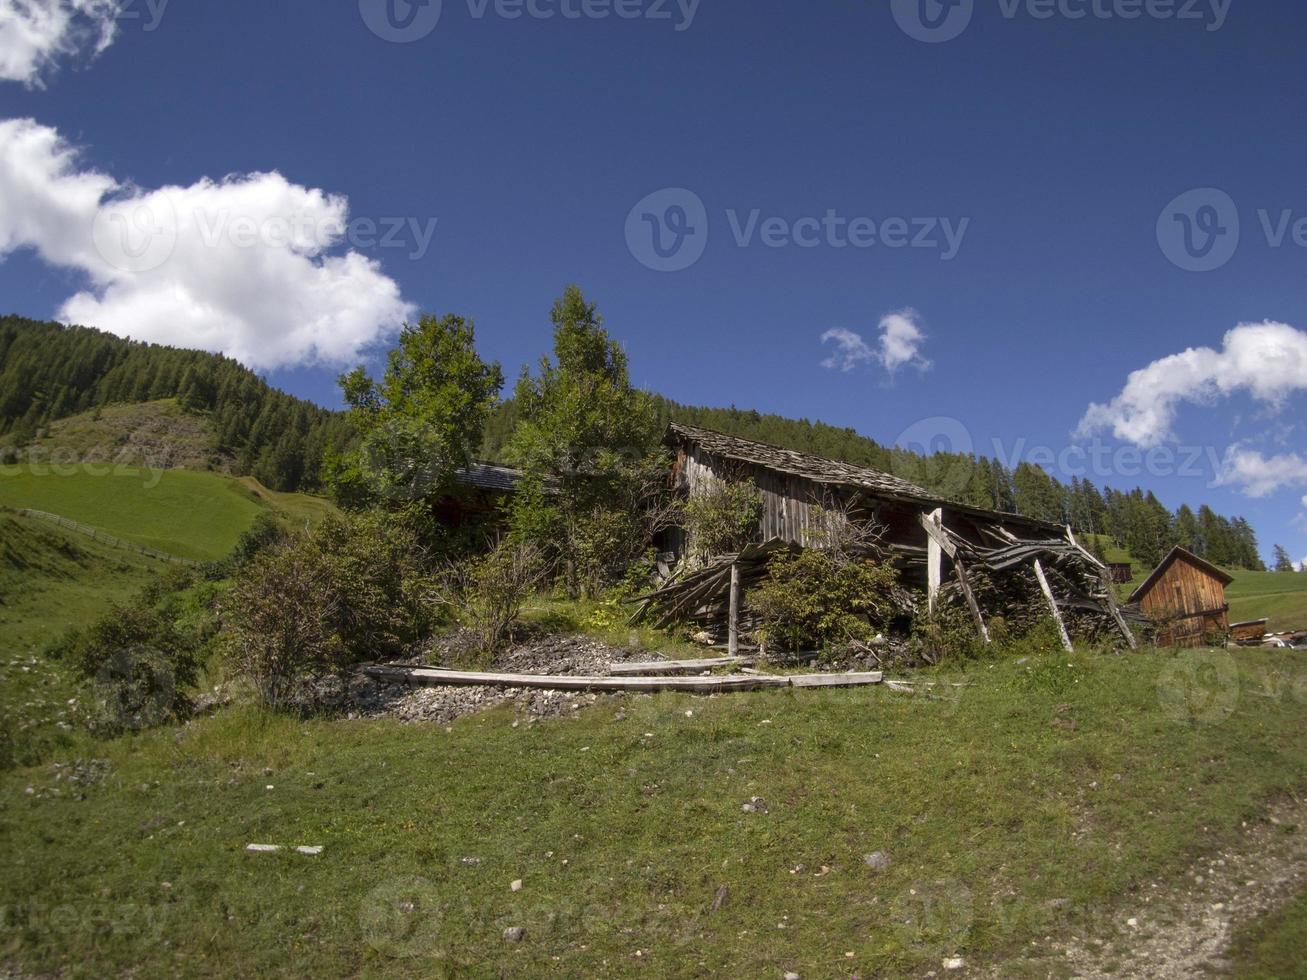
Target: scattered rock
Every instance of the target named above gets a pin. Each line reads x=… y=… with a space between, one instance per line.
x=469 y=862
x=514 y=934
x=517 y=885
x=877 y=861
x=954 y=963
x=792 y=976
x=756 y=804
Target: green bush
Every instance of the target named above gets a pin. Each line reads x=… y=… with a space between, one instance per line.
x=486 y=593
x=722 y=517
x=142 y=660
x=351 y=590
x=814 y=599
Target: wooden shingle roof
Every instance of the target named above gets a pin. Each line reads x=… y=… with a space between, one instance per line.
x=814 y=468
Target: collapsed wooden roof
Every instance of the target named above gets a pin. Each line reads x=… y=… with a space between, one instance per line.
x=485 y=476
x=832 y=473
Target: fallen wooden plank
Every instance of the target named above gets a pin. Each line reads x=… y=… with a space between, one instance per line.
x=678 y=666
x=431 y=677
x=836 y=680
x=426 y=677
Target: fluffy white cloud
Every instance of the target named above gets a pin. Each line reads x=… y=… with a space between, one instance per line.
x=35 y=34
x=1266 y=360
x=899 y=345
x=1260 y=476
x=242 y=266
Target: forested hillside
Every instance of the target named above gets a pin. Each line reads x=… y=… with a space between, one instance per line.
x=49 y=371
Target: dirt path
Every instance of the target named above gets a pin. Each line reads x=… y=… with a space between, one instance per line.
x=1183 y=929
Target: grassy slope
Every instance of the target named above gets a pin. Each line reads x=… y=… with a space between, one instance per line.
x=190 y=514
x=50 y=580
x=1281 y=596
x=624 y=822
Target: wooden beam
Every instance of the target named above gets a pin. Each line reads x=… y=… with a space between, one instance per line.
x=430 y=677
x=678 y=666
x=836 y=680
x=971 y=599
x=934 y=561
x=733 y=626
x=1108 y=591
x=1052 y=604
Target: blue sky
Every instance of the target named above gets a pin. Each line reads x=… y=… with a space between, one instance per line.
x=1043 y=163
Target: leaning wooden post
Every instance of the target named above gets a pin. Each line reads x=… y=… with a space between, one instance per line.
x=1108 y=598
x=1052 y=604
x=934 y=562
x=733 y=635
x=971 y=598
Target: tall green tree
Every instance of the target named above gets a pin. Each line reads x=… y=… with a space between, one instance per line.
x=1283 y=563
x=423 y=421
x=586 y=440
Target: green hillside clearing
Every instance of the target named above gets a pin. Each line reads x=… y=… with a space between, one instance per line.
x=185 y=513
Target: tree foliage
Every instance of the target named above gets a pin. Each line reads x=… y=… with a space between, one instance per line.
x=586 y=440
x=422 y=422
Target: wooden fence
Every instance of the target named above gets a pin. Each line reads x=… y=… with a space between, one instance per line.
x=104 y=537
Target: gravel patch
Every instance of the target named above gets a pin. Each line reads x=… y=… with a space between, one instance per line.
x=359 y=696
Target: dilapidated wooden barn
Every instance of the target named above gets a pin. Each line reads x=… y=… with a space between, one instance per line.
x=1185 y=598
x=924 y=534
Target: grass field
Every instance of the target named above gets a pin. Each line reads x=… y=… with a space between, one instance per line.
x=1041 y=802
x=186 y=513
x=50 y=580
x=1281 y=596
x=1274 y=948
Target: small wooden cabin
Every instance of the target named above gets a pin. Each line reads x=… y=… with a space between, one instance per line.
x=482 y=491
x=1185 y=597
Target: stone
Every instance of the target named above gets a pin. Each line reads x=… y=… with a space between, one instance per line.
x=517 y=885
x=954 y=963
x=514 y=934
x=877 y=860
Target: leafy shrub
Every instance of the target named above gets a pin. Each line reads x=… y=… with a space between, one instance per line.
x=141 y=661
x=815 y=599
x=486 y=593
x=350 y=590
x=721 y=516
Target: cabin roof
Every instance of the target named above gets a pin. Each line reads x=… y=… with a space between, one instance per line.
x=829 y=471
x=1179 y=554
x=486 y=476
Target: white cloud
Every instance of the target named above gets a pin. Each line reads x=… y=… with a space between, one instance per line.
x=899 y=345
x=244 y=266
x=1266 y=360
x=1260 y=476
x=35 y=34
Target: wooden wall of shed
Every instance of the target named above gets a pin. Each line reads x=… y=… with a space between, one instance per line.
x=1184 y=588
x=1190 y=604
x=788 y=503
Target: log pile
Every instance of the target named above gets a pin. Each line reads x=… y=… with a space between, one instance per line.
x=701 y=597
